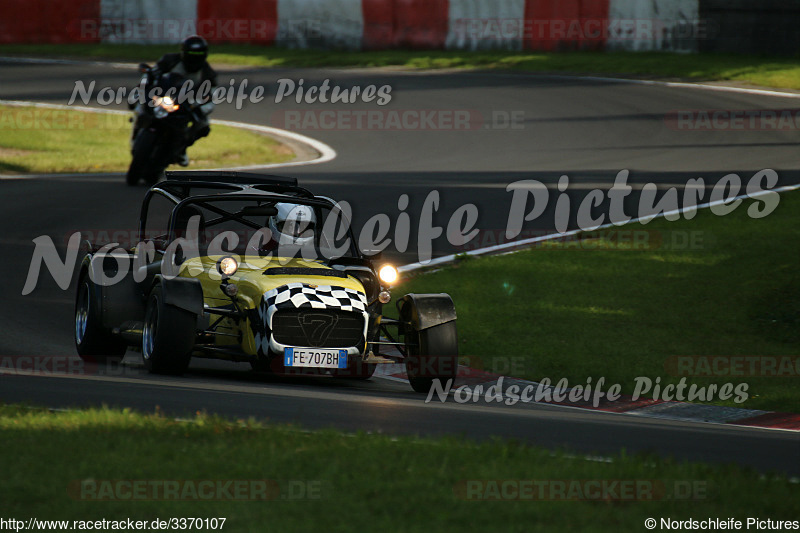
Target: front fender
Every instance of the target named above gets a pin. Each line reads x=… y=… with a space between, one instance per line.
x=117 y=302
x=425 y=311
x=183 y=293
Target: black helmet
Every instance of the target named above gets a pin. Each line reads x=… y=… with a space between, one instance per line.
x=194 y=51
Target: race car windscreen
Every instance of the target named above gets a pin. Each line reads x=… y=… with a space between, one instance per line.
x=266 y=228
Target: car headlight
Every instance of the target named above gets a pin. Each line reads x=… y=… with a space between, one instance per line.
x=227 y=266
x=388 y=274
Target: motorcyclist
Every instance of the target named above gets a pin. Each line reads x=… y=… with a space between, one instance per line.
x=191 y=64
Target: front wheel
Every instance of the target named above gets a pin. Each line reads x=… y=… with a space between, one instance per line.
x=167 y=337
x=433 y=357
x=93 y=342
x=143 y=165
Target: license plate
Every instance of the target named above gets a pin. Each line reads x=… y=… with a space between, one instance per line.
x=315 y=357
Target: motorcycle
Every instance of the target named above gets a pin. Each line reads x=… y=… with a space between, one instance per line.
x=160 y=126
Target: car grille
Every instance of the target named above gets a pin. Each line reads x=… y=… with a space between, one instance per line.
x=318 y=328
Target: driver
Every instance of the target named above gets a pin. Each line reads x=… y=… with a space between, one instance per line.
x=192 y=65
x=293 y=225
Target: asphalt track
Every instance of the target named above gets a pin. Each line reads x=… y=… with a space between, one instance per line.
x=587 y=129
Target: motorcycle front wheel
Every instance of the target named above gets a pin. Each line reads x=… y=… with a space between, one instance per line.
x=144 y=165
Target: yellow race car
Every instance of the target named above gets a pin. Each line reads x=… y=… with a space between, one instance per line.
x=249 y=267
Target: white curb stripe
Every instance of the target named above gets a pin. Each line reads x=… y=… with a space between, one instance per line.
x=326 y=153
x=682 y=85
x=47 y=61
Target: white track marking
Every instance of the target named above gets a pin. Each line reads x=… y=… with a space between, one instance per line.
x=686 y=85
x=414 y=400
x=46 y=61
x=431 y=72
x=510 y=246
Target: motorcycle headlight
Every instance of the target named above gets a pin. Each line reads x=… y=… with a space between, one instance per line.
x=166 y=103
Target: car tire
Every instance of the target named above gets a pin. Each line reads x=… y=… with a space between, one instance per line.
x=433 y=358
x=167 y=336
x=93 y=342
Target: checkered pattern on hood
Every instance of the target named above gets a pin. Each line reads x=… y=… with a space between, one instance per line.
x=302 y=295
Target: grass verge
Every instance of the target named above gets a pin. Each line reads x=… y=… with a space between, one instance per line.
x=606 y=306
x=362 y=482
x=55 y=141
x=781 y=72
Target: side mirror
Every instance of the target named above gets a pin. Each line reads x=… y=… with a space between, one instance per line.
x=144 y=67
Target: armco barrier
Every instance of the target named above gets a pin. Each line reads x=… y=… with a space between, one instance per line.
x=263 y=11
x=570 y=24
x=485 y=25
x=659 y=25
x=420 y=24
x=332 y=24
x=742 y=26
x=378 y=24
x=44 y=21
x=769 y=26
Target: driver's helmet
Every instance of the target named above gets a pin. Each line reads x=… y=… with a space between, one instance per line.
x=294 y=224
x=194 y=51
